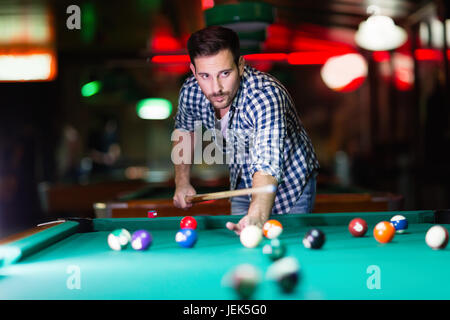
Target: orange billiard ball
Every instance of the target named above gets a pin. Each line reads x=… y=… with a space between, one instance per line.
x=384 y=232
x=272 y=229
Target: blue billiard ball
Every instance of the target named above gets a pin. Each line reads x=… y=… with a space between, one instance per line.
x=186 y=238
x=141 y=240
x=400 y=223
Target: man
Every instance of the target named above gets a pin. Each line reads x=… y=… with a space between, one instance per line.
x=254 y=113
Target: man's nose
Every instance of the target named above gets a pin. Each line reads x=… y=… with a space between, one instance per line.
x=217 y=86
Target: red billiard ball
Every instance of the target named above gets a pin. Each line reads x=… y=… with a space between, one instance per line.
x=188 y=223
x=358 y=227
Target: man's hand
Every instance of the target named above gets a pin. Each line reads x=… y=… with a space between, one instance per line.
x=244 y=222
x=180 y=193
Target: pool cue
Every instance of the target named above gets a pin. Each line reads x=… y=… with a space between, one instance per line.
x=231 y=193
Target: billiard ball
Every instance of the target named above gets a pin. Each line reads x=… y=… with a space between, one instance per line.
x=275 y=249
x=314 y=239
x=141 y=240
x=186 y=238
x=272 y=229
x=118 y=239
x=188 y=223
x=384 y=232
x=400 y=223
x=251 y=236
x=286 y=272
x=245 y=279
x=358 y=227
x=437 y=237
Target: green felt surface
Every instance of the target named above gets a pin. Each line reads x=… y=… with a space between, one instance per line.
x=342 y=269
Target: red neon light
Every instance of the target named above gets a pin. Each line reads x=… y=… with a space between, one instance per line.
x=206 y=4
x=380 y=56
x=306 y=58
x=184 y=58
x=428 y=54
x=266 y=57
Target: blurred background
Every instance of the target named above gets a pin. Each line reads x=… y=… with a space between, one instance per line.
x=89 y=90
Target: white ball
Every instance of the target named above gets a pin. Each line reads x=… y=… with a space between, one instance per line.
x=437 y=237
x=251 y=236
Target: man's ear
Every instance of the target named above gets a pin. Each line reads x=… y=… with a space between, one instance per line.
x=241 y=65
x=192 y=68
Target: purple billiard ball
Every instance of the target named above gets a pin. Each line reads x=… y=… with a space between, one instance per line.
x=141 y=240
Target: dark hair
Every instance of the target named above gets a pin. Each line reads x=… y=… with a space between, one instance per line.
x=211 y=40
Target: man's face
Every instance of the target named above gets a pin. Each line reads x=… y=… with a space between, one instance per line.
x=218 y=77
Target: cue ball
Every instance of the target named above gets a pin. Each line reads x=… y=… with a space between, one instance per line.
x=186 y=238
x=251 y=236
x=314 y=239
x=188 y=223
x=400 y=223
x=437 y=237
x=384 y=232
x=272 y=229
x=141 y=240
x=358 y=227
x=118 y=239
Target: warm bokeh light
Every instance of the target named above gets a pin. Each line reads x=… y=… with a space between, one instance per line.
x=344 y=73
x=36 y=66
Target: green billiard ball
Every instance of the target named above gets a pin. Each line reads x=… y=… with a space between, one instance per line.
x=275 y=249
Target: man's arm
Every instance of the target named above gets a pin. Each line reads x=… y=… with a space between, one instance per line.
x=262 y=203
x=182 y=163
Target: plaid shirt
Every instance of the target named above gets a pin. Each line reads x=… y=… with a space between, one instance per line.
x=264 y=134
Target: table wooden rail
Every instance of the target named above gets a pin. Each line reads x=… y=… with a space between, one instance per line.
x=325 y=203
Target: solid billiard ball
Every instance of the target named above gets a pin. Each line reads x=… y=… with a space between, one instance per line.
x=437 y=237
x=384 y=232
x=358 y=227
x=286 y=272
x=251 y=236
x=272 y=229
x=186 y=238
x=244 y=280
x=314 y=239
x=400 y=223
x=141 y=240
x=188 y=223
x=118 y=239
x=275 y=249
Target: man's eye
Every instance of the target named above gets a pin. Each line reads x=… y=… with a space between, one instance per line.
x=225 y=73
x=204 y=76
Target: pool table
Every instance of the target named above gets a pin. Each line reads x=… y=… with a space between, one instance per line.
x=72 y=260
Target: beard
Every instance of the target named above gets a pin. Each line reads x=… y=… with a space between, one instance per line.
x=220 y=100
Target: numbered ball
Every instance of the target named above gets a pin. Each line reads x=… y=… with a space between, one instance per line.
x=384 y=232
x=286 y=272
x=186 y=238
x=437 y=237
x=188 y=223
x=358 y=227
x=119 y=239
x=251 y=236
x=275 y=249
x=141 y=240
x=272 y=229
x=400 y=223
x=245 y=280
x=314 y=239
